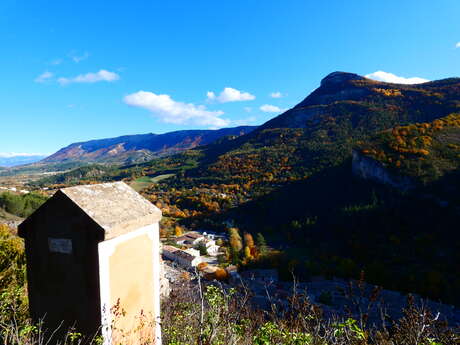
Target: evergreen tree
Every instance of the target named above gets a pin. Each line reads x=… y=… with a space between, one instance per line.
x=261 y=243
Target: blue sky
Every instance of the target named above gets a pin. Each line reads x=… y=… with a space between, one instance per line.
x=80 y=70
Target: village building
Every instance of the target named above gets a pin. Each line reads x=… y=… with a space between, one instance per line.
x=191 y=238
x=192 y=251
x=211 y=247
x=213 y=235
x=181 y=257
x=168 y=252
x=91 y=249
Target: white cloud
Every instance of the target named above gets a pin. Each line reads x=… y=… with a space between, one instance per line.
x=77 y=58
x=457 y=45
x=45 y=76
x=268 y=108
x=16 y=154
x=102 y=75
x=276 y=94
x=392 y=78
x=230 y=94
x=171 y=111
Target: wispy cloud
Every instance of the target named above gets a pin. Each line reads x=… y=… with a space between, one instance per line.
x=56 y=62
x=392 y=78
x=276 y=94
x=171 y=111
x=457 y=45
x=268 y=108
x=44 y=77
x=102 y=75
x=247 y=109
x=230 y=94
x=78 y=58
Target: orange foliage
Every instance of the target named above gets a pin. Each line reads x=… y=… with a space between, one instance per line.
x=201 y=266
x=220 y=274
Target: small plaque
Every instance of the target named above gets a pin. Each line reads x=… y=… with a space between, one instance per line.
x=60 y=245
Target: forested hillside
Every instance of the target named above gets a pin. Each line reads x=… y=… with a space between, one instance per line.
x=428 y=153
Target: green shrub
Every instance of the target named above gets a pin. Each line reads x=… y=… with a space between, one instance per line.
x=21 y=205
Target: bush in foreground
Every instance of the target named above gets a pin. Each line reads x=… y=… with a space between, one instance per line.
x=216 y=315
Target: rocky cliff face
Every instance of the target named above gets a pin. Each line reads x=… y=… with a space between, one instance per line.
x=370 y=169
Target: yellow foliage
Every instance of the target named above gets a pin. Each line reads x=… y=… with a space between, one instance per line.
x=424 y=152
x=178 y=231
x=247 y=253
x=388 y=92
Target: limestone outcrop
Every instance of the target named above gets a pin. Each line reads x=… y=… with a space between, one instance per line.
x=370 y=169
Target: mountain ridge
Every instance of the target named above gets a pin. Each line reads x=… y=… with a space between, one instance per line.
x=339 y=88
x=130 y=149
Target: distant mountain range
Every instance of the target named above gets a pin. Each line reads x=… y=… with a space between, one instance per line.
x=131 y=149
x=14 y=160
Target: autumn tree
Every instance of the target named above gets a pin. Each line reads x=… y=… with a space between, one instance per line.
x=235 y=240
x=261 y=243
x=220 y=274
x=247 y=253
x=248 y=240
x=178 y=231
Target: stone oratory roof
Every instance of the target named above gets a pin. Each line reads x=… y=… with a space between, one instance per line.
x=115 y=207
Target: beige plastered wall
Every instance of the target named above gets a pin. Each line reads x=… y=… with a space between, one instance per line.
x=129 y=271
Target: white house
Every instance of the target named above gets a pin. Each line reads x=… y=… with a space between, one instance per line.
x=192 y=251
x=211 y=247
